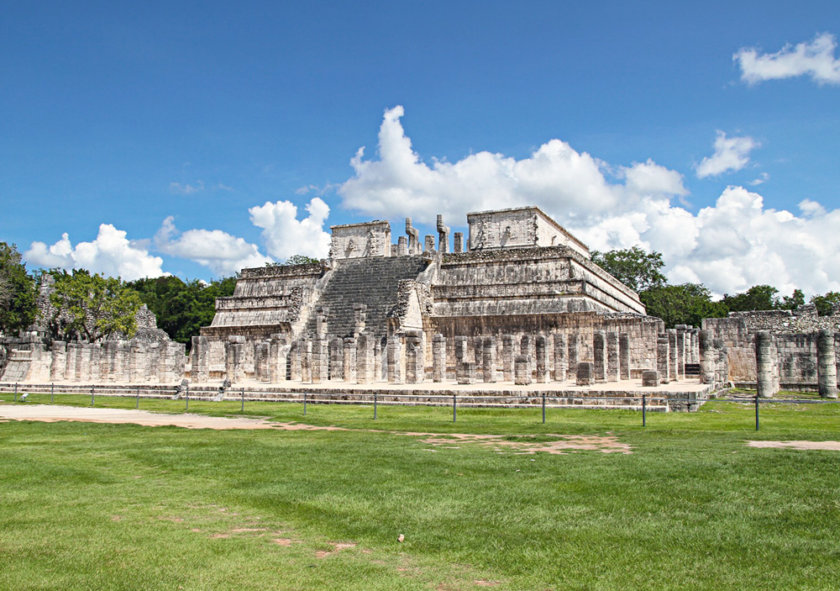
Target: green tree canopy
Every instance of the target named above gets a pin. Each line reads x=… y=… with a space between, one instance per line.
x=182 y=308
x=825 y=303
x=688 y=303
x=91 y=307
x=17 y=291
x=635 y=268
x=758 y=297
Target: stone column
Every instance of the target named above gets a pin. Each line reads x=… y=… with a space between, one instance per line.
x=465 y=373
x=394 y=359
x=672 y=355
x=138 y=363
x=94 y=370
x=584 y=374
x=378 y=366
x=294 y=361
x=233 y=359
x=458 y=237
x=460 y=350
x=624 y=356
x=573 y=353
x=335 y=359
x=107 y=361
x=764 y=365
x=428 y=244
x=320 y=360
x=721 y=362
x=507 y=358
x=83 y=362
x=278 y=354
x=443 y=235
x=681 y=350
x=488 y=360
x=59 y=360
x=663 y=358
x=478 y=351
x=306 y=361
x=826 y=364
x=402 y=246
x=707 y=357
x=261 y=352
x=349 y=360
x=364 y=359
x=650 y=378
x=438 y=358
x=522 y=370
x=415 y=369
x=541 y=353
x=526 y=348
x=560 y=359
x=612 y=357
x=124 y=356
x=599 y=352
x=200 y=359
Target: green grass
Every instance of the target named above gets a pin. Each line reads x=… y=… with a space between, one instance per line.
x=97 y=506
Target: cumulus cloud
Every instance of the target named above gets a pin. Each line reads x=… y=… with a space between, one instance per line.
x=815 y=59
x=110 y=254
x=285 y=235
x=729 y=246
x=221 y=252
x=731 y=154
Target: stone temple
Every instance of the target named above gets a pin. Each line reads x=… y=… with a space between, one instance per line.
x=518 y=301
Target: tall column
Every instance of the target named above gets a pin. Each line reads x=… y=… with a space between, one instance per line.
x=507 y=358
x=522 y=370
x=672 y=355
x=394 y=359
x=364 y=359
x=764 y=365
x=335 y=359
x=681 y=350
x=707 y=357
x=624 y=356
x=306 y=361
x=261 y=372
x=560 y=358
x=233 y=359
x=278 y=359
x=663 y=357
x=488 y=360
x=573 y=357
x=414 y=363
x=320 y=360
x=378 y=366
x=199 y=359
x=459 y=241
x=526 y=348
x=826 y=364
x=612 y=357
x=599 y=351
x=541 y=353
x=59 y=360
x=349 y=359
x=438 y=358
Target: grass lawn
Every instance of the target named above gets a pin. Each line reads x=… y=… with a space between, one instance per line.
x=96 y=506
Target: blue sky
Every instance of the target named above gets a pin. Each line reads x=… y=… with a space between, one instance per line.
x=180 y=137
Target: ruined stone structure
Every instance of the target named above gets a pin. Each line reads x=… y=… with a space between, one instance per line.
x=523 y=303
x=793 y=352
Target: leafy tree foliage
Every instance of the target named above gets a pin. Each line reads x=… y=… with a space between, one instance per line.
x=758 y=297
x=17 y=291
x=635 y=268
x=825 y=303
x=793 y=301
x=182 y=308
x=688 y=303
x=91 y=307
x=300 y=259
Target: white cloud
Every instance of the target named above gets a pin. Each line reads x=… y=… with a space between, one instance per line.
x=731 y=153
x=815 y=59
x=110 y=254
x=729 y=246
x=760 y=180
x=221 y=252
x=186 y=188
x=285 y=235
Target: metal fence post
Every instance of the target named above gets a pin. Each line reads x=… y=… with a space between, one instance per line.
x=454 y=409
x=304 y=403
x=644 y=410
x=543 y=407
x=92 y=395
x=52 y=393
x=374 y=405
x=756 y=412
x=242 y=407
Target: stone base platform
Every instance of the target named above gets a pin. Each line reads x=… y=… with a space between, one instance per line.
x=675 y=396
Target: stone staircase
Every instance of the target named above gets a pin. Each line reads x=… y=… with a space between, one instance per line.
x=371 y=281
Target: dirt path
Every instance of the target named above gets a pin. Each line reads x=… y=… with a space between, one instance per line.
x=553 y=444
x=820 y=445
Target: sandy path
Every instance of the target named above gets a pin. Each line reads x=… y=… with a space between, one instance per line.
x=821 y=445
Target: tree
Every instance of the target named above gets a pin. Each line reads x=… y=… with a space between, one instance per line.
x=688 y=303
x=182 y=308
x=300 y=259
x=91 y=307
x=758 y=297
x=793 y=301
x=635 y=268
x=825 y=303
x=17 y=291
